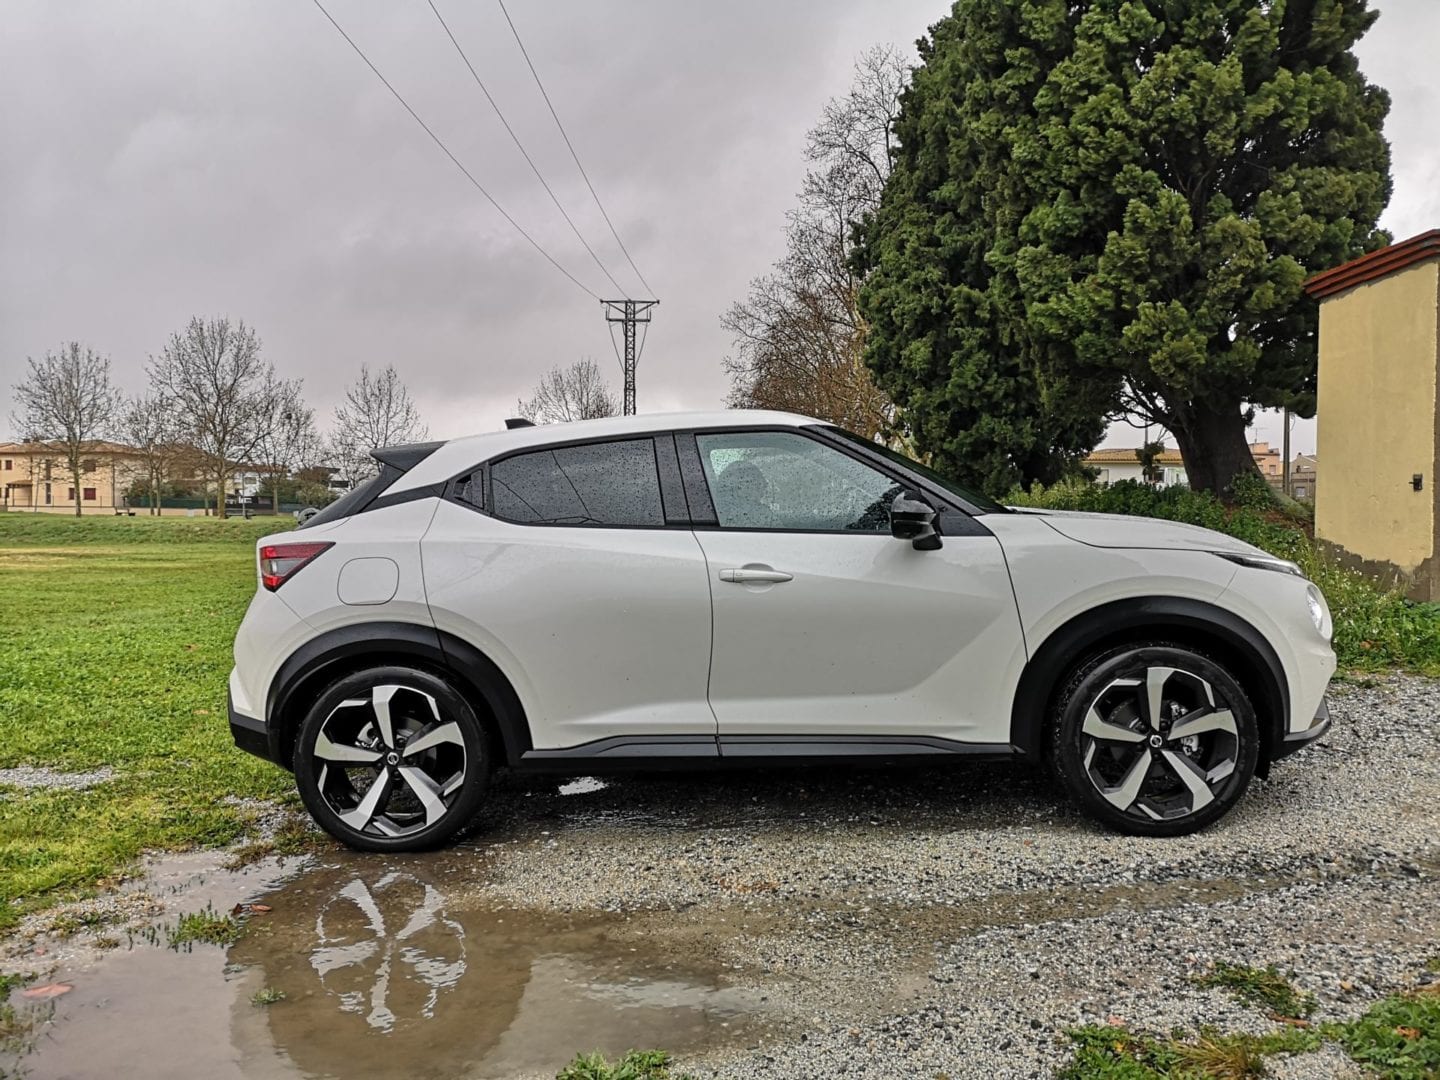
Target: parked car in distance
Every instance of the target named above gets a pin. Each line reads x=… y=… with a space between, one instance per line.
x=744 y=588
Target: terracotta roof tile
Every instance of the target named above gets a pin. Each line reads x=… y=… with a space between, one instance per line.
x=1376 y=265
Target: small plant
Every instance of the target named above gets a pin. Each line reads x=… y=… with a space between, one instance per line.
x=268 y=995
x=1398 y=1037
x=1114 y=1053
x=635 y=1065
x=13 y=980
x=207 y=927
x=1267 y=989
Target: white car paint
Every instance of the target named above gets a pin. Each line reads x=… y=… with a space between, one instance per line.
x=631 y=632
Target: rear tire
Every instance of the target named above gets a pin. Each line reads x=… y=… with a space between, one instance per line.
x=392 y=759
x=1154 y=739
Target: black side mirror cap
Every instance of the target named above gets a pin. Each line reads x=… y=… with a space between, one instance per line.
x=913 y=519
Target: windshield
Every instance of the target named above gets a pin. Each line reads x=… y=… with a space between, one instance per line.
x=981 y=502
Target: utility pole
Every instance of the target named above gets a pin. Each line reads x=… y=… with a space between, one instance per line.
x=628 y=313
x=1285 y=466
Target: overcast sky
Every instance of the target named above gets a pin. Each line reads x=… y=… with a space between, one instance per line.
x=168 y=159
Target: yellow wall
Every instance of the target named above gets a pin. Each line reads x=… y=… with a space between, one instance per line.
x=1376 y=409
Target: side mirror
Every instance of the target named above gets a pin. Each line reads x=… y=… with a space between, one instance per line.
x=913 y=519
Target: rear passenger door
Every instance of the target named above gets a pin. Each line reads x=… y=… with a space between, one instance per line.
x=574 y=569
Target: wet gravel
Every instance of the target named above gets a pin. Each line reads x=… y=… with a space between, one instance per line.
x=955 y=921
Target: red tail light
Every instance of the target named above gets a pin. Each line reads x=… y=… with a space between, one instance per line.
x=280 y=562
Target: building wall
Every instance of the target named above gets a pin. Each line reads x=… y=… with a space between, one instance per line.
x=1377 y=425
x=111 y=476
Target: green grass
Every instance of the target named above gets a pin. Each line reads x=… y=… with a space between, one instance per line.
x=1263 y=989
x=1115 y=1053
x=267 y=995
x=115 y=646
x=635 y=1065
x=207 y=927
x=1398 y=1038
x=1375 y=628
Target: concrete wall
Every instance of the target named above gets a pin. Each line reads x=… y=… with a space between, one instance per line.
x=1379 y=350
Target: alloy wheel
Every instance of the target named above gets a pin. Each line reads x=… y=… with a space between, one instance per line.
x=389 y=763
x=1159 y=744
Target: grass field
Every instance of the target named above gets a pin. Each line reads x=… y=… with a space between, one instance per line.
x=115 y=639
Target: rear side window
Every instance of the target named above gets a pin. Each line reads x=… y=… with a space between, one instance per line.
x=609 y=483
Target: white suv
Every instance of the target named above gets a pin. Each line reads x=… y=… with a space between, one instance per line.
x=745 y=588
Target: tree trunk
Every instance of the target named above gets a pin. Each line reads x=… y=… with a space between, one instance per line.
x=75 y=476
x=1212 y=442
x=220 y=492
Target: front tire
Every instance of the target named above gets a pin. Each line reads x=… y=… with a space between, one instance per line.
x=1154 y=739
x=392 y=759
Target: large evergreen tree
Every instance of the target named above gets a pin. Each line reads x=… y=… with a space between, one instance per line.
x=1100 y=204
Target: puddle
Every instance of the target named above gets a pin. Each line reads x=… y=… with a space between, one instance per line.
x=383 y=973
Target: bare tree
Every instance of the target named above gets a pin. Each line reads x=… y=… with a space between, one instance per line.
x=799 y=335
x=213 y=375
x=377 y=412
x=67 y=398
x=149 y=424
x=289 y=441
x=577 y=392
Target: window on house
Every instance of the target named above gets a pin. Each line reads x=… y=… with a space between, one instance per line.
x=89 y=494
x=70 y=494
x=9 y=464
x=88 y=465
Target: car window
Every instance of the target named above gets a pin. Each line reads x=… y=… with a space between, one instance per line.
x=778 y=480
x=609 y=483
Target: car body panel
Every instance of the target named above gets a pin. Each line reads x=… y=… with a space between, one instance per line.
x=601 y=632
x=869 y=637
x=1126 y=531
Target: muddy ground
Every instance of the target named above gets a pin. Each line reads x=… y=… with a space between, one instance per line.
x=909 y=923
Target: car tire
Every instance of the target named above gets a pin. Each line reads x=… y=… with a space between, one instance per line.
x=392 y=759
x=1154 y=739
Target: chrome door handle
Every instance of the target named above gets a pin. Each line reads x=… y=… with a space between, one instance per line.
x=755 y=575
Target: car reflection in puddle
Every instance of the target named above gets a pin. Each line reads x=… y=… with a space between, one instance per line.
x=383 y=975
x=361 y=957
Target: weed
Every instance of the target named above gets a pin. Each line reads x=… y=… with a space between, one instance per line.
x=1267 y=989
x=207 y=927
x=635 y=1065
x=1399 y=1037
x=267 y=996
x=13 y=981
x=1114 y=1053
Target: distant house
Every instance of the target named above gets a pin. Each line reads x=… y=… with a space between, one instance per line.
x=1304 y=477
x=35 y=476
x=1269 y=462
x=1116 y=464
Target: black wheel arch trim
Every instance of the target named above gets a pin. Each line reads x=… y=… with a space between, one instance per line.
x=1187 y=622
x=329 y=655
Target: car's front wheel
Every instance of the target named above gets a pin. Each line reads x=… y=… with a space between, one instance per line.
x=392 y=759
x=1154 y=739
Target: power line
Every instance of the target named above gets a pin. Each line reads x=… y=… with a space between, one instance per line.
x=520 y=146
x=456 y=161
x=554 y=115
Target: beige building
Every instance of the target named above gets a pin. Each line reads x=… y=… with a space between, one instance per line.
x=35 y=477
x=1304 y=477
x=1123 y=463
x=1379 y=418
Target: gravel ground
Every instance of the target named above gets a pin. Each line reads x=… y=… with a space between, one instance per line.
x=955 y=921
x=31 y=777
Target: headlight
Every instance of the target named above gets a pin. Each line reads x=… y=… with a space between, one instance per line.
x=1262 y=562
x=1319 y=612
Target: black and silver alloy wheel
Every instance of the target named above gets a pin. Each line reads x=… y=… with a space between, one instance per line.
x=1155 y=739
x=391 y=760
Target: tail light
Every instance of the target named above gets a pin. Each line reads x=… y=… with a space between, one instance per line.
x=280 y=562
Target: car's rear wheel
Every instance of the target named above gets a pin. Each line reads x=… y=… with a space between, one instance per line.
x=392 y=759
x=1154 y=739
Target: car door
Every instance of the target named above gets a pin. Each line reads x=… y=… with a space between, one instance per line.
x=577 y=575
x=827 y=628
